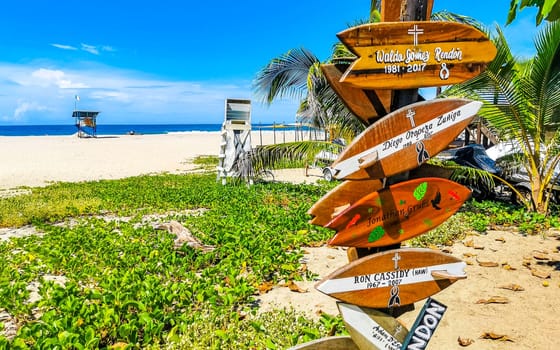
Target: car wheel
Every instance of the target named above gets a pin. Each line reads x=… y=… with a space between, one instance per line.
x=479 y=193
x=556 y=197
x=525 y=195
x=327 y=174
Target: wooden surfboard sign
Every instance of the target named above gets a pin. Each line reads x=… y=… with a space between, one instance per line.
x=426 y=323
x=405 y=138
x=393 y=278
x=398 y=213
x=328 y=343
x=343 y=195
x=367 y=105
x=349 y=192
x=408 y=55
x=372 y=329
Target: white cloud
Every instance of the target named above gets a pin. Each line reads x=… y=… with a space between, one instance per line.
x=90 y=48
x=117 y=96
x=108 y=48
x=48 y=77
x=93 y=49
x=22 y=108
x=64 y=47
x=123 y=96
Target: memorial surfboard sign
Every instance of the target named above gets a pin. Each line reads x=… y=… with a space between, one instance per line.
x=340 y=198
x=372 y=329
x=393 y=278
x=398 y=212
x=367 y=105
x=328 y=343
x=405 y=138
x=408 y=55
x=425 y=325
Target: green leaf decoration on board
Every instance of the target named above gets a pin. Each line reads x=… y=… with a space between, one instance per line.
x=402 y=202
x=376 y=234
x=420 y=191
x=401 y=231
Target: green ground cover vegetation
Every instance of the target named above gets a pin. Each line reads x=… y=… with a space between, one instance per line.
x=124 y=285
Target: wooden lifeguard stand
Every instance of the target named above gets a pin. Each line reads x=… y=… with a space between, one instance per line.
x=86 y=122
x=235 y=141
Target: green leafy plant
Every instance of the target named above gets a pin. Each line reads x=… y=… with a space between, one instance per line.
x=100 y=275
x=206 y=162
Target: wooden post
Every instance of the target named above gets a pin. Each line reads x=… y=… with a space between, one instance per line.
x=409 y=10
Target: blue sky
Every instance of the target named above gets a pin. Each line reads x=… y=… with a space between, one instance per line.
x=172 y=61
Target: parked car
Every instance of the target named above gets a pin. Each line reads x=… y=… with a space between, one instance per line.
x=325 y=158
x=474 y=156
x=515 y=174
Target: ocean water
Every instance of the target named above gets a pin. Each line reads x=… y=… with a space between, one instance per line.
x=60 y=130
x=124 y=129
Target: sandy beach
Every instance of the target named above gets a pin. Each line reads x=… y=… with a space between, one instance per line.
x=525 y=319
x=40 y=160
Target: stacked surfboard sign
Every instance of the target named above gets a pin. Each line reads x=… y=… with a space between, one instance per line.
x=364 y=211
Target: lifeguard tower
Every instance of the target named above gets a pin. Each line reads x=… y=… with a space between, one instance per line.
x=235 y=143
x=86 y=122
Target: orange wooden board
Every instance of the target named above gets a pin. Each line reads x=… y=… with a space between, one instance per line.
x=342 y=196
x=360 y=102
x=349 y=192
x=393 y=277
x=407 y=55
x=328 y=343
x=405 y=138
x=397 y=213
x=372 y=329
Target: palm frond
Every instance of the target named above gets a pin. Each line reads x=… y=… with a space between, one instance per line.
x=339 y=50
x=285 y=76
x=374 y=11
x=324 y=109
x=464 y=174
x=544 y=77
x=291 y=153
x=499 y=87
x=447 y=16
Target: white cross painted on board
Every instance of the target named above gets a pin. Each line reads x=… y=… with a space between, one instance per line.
x=396 y=259
x=410 y=115
x=415 y=31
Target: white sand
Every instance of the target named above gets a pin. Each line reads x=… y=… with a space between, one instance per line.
x=40 y=160
x=529 y=319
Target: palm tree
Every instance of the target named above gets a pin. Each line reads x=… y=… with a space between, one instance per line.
x=548 y=9
x=529 y=111
x=297 y=74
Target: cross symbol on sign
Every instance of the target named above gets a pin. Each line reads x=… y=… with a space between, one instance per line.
x=396 y=259
x=415 y=31
x=410 y=115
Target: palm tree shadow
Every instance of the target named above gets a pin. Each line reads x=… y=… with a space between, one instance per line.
x=555 y=264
